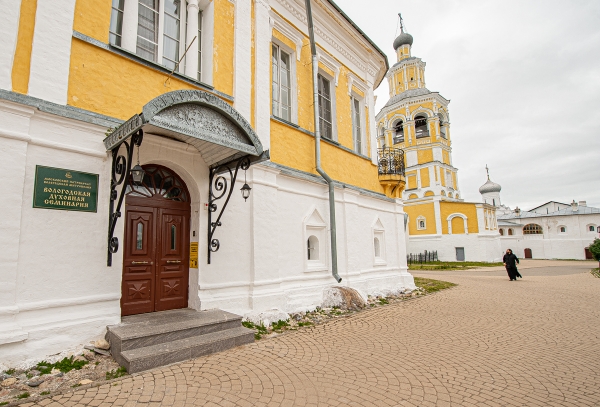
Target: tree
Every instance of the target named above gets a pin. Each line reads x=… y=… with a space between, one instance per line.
x=595 y=249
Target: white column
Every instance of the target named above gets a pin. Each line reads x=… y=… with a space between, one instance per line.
x=242 y=84
x=191 y=58
x=130 y=23
x=9 y=28
x=51 y=53
x=263 y=32
x=438 y=216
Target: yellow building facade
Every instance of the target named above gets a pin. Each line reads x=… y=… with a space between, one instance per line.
x=172 y=108
x=417 y=121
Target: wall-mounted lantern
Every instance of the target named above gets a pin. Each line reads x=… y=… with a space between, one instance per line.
x=245 y=189
x=137 y=172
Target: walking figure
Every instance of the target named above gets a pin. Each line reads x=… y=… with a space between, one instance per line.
x=510 y=262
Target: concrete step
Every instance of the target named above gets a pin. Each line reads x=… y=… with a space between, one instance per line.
x=182 y=333
x=137 y=360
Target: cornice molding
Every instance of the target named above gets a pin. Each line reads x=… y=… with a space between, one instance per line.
x=328 y=37
x=330 y=63
x=289 y=31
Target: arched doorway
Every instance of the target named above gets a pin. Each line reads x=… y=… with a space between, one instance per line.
x=156 y=254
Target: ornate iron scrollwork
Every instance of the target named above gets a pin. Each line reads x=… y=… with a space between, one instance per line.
x=217 y=188
x=390 y=161
x=121 y=167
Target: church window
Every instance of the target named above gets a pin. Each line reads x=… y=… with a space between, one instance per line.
x=156 y=31
x=421 y=224
x=399 y=132
x=325 y=115
x=377 y=247
x=281 y=86
x=116 y=22
x=312 y=248
x=511 y=232
x=501 y=232
x=562 y=229
x=421 y=129
x=356 y=124
x=532 y=229
x=591 y=228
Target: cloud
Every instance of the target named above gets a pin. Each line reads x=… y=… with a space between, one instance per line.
x=524 y=85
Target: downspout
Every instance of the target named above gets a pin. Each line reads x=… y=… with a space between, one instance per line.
x=315 y=67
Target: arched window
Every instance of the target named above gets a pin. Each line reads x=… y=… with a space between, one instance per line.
x=562 y=229
x=421 y=224
x=377 y=247
x=494 y=202
x=399 y=132
x=501 y=232
x=442 y=128
x=511 y=232
x=591 y=228
x=313 y=248
x=421 y=129
x=532 y=229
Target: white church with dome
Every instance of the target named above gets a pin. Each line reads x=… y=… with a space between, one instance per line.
x=553 y=230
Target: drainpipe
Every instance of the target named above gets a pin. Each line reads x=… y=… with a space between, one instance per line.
x=315 y=67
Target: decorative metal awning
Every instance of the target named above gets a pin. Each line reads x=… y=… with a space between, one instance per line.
x=198 y=118
x=221 y=135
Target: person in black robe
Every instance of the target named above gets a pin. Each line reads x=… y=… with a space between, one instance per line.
x=510 y=262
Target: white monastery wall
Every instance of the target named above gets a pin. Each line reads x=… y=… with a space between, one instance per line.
x=554 y=244
x=58 y=293
x=477 y=247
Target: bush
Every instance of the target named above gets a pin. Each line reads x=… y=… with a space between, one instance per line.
x=595 y=249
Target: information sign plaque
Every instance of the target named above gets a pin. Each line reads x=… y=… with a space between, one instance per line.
x=58 y=188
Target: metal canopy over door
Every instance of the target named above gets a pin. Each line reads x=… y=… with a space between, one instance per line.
x=156 y=257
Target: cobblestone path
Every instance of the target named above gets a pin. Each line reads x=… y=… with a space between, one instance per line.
x=488 y=342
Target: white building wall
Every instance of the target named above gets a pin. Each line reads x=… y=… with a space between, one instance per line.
x=553 y=244
x=477 y=247
x=58 y=293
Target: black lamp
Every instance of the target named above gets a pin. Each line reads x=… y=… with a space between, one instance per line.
x=137 y=172
x=245 y=189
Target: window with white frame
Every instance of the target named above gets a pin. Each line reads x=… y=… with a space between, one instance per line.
x=356 y=124
x=378 y=243
x=156 y=31
x=147 y=32
x=281 y=83
x=312 y=247
x=325 y=112
x=421 y=223
x=116 y=22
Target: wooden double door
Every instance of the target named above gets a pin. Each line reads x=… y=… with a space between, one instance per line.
x=156 y=255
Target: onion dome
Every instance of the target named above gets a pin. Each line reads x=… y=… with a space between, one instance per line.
x=489 y=186
x=403 y=39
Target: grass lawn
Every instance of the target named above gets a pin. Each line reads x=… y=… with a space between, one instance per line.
x=451 y=265
x=431 y=286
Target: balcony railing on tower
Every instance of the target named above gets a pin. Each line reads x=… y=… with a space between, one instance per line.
x=390 y=167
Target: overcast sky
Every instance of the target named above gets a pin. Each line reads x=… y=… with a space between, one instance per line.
x=523 y=77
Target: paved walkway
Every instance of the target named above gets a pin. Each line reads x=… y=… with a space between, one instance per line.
x=487 y=342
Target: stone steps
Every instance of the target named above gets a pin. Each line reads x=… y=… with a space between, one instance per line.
x=145 y=341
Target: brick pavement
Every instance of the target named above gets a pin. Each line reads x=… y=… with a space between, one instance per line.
x=488 y=342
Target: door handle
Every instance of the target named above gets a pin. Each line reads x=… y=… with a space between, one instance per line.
x=173 y=261
x=140 y=262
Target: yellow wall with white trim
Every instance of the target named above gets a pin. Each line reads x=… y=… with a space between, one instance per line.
x=424 y=209
x=467 y=209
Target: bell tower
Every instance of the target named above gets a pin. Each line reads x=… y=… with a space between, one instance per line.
x=416 y=120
